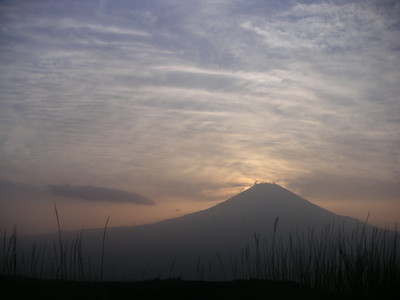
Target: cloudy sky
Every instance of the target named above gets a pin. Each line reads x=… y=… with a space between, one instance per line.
x=144 y=110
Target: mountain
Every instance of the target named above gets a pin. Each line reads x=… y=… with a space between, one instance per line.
x=215 y=236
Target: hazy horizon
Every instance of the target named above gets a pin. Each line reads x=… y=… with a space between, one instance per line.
x=46 y=218
x=149 y=110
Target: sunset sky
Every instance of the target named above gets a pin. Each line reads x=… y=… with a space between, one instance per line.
x=146 y=110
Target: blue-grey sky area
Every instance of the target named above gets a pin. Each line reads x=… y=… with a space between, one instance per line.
x=181 y=104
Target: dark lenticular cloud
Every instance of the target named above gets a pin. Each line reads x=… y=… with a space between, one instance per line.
x=99 y=194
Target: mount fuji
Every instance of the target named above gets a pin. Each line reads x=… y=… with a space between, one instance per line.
x=177 y=246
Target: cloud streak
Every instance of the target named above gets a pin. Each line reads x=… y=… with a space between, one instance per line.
x=92 y=193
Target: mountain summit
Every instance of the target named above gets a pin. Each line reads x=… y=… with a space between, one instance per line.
x=256 y=209
x=268 y=199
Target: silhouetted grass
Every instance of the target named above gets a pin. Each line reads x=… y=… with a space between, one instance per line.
x=365 y=262
x=65 y=261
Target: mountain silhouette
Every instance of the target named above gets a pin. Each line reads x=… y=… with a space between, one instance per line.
x=262 y=209
x=177 y=246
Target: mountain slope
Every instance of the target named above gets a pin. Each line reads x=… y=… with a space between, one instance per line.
x=255 y=209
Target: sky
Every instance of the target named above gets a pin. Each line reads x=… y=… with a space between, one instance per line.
x=147 y=110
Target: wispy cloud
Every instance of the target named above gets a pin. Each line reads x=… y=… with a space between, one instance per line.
x=347 y=188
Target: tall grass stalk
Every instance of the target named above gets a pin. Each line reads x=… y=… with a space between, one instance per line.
x=61 y=266
x=102 y=250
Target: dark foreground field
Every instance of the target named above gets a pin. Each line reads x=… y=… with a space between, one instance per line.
x=26 y=288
